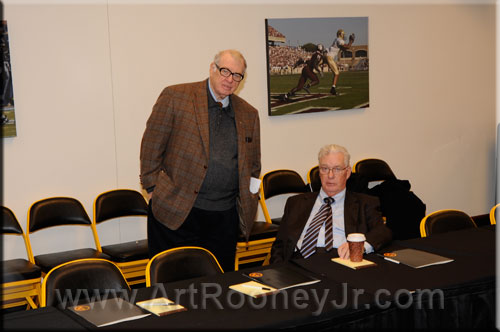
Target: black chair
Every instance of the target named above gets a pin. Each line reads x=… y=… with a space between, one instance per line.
x=443 y=221
x=20 y=277
x=60 y=211
x=280 y=182
x=133 y=256
x=373 y=169
x=258 y=247
x=82 y=281
x=313 y=179
x=181 y=263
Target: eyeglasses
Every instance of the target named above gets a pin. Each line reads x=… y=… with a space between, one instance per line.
x=335 y=170
x=237 y=77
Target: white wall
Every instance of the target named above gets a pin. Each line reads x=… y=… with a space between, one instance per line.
x=86 y=77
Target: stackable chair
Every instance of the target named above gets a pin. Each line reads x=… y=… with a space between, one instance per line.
x=373 y=169
x=82 y=281
x=133 y=256
x=181 y=263
x=60 y=211
x=263 y=234
x=313 y=179
x=21 y=278
x=494 y=214
x=280 y=182
x=443 y=221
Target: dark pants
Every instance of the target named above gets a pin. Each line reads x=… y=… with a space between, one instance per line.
x=216 y=231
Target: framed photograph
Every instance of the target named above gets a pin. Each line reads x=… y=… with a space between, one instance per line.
x=317 y=64
x=7 y=98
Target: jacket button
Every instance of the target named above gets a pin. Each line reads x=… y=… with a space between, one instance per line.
x=196 y=191
x=205 y=166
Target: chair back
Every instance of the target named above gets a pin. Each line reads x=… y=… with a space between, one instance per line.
x=443 y=221
x=60 y=211
x=119 y=203
x=494 y=214
x=82 y=280
x=10 y=225
x=373 y=169
x=181 y=263
x=313 y=179
x=280 y=182
x=56 y=211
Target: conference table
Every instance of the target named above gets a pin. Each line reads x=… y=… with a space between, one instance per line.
x=459 y=294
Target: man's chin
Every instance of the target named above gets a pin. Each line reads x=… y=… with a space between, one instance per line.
x=329 y=191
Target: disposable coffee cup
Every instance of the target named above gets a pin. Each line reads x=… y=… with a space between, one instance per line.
x=356 y=243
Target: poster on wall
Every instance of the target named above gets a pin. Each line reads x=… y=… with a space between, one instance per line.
x=7 y=98
x=317 y=64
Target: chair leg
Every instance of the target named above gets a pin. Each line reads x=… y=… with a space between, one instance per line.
x=266 y=261
x=31 y=304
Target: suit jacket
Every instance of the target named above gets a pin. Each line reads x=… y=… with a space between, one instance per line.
x=175 y=150
x=361 y=215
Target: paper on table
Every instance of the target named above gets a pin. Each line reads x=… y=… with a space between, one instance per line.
x=161 y=306
x=253 y=289
x=353 y=265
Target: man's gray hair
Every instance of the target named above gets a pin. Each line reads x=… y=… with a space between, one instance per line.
x=235 y=54
x=334 y=148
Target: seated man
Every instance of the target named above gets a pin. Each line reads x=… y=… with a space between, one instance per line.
x=317 y=222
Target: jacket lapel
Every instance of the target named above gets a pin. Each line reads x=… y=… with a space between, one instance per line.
x=302 y=216
x=200 y=102
x=351 y=204
x=240 y=132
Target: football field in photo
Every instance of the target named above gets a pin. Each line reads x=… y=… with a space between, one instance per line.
x=352 y=92
x=9 y=127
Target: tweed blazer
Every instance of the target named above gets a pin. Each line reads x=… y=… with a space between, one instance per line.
x=175 y=151
x=361 y=215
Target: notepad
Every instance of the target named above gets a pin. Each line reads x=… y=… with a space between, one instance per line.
x=416 y=258
x=254 y=289
x=161 y=306
x=108 y=312
x=353 y=265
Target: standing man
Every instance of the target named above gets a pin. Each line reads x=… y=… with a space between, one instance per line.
x=200 y=154
x=333 y=56
x=303 y=230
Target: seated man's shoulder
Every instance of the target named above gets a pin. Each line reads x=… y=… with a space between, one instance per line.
x=364 y=197
x=303 y=196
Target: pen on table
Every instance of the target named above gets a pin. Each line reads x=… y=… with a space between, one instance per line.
x=388 y=259
x=257 y=287
x=158 y=304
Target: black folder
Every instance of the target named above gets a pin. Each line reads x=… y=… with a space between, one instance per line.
x=110 y=311
x=416 y=258
x=282 y=277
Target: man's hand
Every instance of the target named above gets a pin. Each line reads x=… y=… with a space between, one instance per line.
x=343 y=251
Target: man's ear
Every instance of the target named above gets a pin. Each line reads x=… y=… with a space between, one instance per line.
x=349 y=171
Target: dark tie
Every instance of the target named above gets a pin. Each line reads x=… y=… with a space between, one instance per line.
x=324 y=215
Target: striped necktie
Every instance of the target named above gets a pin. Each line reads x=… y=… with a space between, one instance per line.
x=324 y=215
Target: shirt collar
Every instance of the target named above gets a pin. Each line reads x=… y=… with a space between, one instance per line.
x=225 y=101
x=339 y=197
